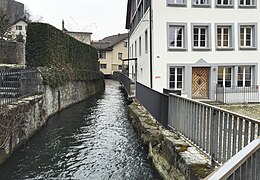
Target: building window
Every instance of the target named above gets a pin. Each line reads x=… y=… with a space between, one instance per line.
x=176 y=78
x=119 y=67
x=132 y=50
x=247 y=38
x=176 y=37
x=103 y=66
x=19 y=27
x=101 y=55
x=203 y=3
x=247 y=3
x=135 y=49
x=224 y=76
x=125 y=44
x=224 y=37
x=120 y=55
x=176 y=2
x=140 y=46
x=201 y=37
x=244 y=76
x=146 y=41
x=224 y=3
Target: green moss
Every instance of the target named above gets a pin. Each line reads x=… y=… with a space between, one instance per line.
x=181 y=148
x=202 y=170
x=150 y=122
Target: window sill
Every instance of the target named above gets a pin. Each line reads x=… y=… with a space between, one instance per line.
x=247 y=48
x=201 y=49
x=177 y=49
x=176 y=5
x=201 y=5
x=247 y=6
x=225 y=48
x=224 y=6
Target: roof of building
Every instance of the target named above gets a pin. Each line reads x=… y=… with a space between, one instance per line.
x=18 y=20
x=108 y=42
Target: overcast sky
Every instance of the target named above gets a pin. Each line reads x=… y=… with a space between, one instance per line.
x=101 y=17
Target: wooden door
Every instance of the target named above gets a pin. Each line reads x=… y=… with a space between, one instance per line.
x=200 y=82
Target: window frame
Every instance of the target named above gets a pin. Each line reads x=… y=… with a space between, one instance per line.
x=140 y=46
x=120 y=55
x=174 y=4
x=105 y=66
x=201 y=5
x=254 y=4
x=208 y=36
x=231 y=5
x=176 y=77
x=101 y=54
x=253 y=27
x=244 y=76
x=146 y=41
x=224 y=76
x=184 y=40
x=19 y=27
x=231 y=37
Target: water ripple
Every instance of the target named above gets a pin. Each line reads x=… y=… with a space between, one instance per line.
x=91 y=140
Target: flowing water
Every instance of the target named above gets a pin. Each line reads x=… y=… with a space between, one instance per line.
x=90 y=140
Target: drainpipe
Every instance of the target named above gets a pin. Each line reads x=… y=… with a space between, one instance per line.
x=151 y=54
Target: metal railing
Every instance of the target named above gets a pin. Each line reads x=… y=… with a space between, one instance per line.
x=17 y=83
x=237 y=94
x=156 y=103
x=126 y=81
x=244 y=165
x=218 y=132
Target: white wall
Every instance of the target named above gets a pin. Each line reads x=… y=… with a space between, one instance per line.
x=162 y=57
x=143 y=61
x=16 y=32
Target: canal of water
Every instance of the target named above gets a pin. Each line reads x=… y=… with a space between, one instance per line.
x=90 y=140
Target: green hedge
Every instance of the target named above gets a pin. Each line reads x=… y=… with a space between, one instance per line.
x=61 y=57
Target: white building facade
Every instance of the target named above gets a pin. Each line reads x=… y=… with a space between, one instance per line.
x=195 y=46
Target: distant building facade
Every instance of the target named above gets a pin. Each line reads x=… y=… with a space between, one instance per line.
x=14 y=10
x=84 y=37
x=111 y=51
x=19 y=28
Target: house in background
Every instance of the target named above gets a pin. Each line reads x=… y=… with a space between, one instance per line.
x=195 y=46
x=84 y=37
x=111 y=51
x=18 y=28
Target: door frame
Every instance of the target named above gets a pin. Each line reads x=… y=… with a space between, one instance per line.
x=208 y=82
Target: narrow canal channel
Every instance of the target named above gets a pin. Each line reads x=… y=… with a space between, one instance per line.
x=91 y=140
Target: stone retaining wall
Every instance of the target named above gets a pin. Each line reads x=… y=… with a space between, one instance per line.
x=172 y=156
x=23 y=119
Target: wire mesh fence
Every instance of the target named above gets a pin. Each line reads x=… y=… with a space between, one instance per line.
x=16 y=83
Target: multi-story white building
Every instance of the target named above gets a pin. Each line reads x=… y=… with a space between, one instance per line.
x=195 y=45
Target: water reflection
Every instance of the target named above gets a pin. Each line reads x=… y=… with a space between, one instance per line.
x=91 y=140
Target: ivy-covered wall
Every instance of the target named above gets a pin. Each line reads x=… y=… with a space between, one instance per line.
x=60 y=57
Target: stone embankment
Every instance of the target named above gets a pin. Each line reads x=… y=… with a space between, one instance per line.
x=21 y=120
x=172 y=156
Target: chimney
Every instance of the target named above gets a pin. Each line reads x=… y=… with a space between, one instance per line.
x=63 y=28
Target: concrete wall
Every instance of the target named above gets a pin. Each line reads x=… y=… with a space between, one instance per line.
x=172 y=156
x=12 y=53
x=27 y=116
